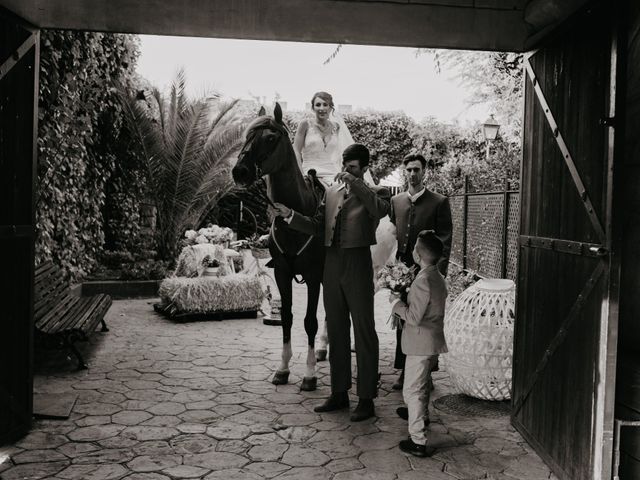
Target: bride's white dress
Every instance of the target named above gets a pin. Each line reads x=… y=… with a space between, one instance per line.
x=324 y=154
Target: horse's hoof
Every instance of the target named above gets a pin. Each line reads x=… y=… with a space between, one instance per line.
x=280 y=378
x=321 y=355
x=270 y=321
x=309 y=384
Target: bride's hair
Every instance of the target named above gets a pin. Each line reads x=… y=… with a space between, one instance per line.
x=324 y=96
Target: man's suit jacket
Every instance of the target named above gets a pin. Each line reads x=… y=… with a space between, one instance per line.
x=423 y=314
x=431 y=211
x=361 y=211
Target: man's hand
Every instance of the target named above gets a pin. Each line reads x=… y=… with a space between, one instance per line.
x=280 y=210
x=345 y=177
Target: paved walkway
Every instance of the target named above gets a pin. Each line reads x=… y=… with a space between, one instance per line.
x=163 y=400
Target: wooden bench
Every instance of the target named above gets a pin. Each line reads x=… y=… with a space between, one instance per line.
x=62 y=318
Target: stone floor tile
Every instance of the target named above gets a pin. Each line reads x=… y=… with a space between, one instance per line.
x=233 y=446
x=344 y=465
x=227 y=411
x=365 y=474
x=147 y=476
x=378 y=441
x=143 y=433
x=77 y=449
x=105 y=455
x=93 y=472
x=33 y=471
x=216 y=460
x=153 y=447
x=163 y=421
x=91 y=420
x=192 y=443
x=304 y=456
x=265 y=438
x=38 y=456
x=425 y=474
x=267 y=452
x=200 y=416
x=167 y=408
x=97 y=432
x=130 y=417
x=267 y=469
x=293 y=419
x=297 y=434
x=387 y=461
x=36 y=439
x=233 y=474
x=226 y=430
x=306 y=473
x=117 y=442
x=154 y=463
x=185 y=471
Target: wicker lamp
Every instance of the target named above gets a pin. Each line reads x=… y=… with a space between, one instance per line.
x=479 y=332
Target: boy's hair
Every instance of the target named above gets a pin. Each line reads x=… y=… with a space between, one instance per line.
x=429 y=241
x=413 y=157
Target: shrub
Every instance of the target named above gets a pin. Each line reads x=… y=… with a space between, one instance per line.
x=80 y=124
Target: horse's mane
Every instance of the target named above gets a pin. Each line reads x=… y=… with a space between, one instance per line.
x=266 y=121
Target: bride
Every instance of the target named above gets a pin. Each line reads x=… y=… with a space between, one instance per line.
x=318 y=144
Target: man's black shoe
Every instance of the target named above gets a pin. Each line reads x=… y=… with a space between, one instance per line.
x=363 y=410
x=408 y=446
x=403 y=413
x=337 y=401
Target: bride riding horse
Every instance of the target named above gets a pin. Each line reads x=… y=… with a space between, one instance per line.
x=268 y=152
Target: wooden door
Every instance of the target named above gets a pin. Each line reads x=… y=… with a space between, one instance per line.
x=566 y=321
x=19 y=54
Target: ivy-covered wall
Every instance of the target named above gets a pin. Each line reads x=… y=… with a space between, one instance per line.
x=84 y=158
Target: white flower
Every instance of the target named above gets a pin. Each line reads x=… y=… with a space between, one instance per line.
x=201 y=239
x=190 y=234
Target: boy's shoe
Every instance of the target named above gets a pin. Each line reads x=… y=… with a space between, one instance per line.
x=363 y=410
x=408 y=446
x=337 y=401
x=403 y=413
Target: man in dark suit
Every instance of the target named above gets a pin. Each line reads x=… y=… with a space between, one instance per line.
x=412 y=211
x=348 y=218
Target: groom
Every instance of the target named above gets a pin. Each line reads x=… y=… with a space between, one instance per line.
x=348 y=218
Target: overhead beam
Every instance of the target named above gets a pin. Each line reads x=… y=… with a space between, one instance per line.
x=438 y=24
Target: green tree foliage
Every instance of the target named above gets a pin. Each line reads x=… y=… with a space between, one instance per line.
x=455 y=152
x=80 y=122
x=494 y=79
x=387 y=135
x=188 y=146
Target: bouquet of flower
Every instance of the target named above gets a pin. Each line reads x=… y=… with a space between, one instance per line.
x=211 y=234
x=396 y=277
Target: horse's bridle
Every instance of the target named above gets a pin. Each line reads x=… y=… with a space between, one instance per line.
x=248 y=144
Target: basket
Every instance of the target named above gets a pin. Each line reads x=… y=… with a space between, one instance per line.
x=479 y=332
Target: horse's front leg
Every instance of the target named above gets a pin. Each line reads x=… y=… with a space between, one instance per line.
x=283 y=279
x=310 y=381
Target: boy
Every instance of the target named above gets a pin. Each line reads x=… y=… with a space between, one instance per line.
x=422 y=338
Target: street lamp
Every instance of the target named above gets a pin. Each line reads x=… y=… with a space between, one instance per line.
x=490 y=131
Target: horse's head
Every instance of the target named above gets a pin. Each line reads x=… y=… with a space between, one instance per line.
x=265 y=149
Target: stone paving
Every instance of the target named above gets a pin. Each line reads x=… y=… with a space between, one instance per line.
x=162 y=400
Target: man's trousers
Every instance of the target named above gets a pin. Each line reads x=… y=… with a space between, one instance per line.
x=348 y=290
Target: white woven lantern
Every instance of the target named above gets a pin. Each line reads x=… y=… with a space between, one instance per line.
x=479 y=331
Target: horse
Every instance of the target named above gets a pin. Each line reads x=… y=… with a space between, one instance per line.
x=267 y=152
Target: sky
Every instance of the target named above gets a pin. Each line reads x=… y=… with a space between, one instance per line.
x=380 y=78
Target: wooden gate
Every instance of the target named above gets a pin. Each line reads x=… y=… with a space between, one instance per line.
x=566 y=330
x=19 y=54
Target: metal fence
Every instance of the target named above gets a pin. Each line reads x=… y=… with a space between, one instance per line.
x=485 y=231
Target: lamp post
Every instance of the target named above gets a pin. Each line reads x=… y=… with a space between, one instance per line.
x=490 y=130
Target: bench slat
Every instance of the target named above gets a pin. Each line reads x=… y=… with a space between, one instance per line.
x=53 y=319
x=45 y=302
x=82 y=314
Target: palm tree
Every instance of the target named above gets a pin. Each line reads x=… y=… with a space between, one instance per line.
x=187 y=147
